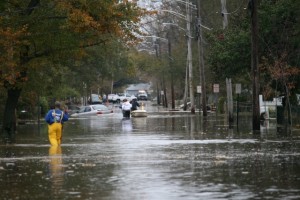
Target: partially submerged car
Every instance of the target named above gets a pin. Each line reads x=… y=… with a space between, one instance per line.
x=92 y=110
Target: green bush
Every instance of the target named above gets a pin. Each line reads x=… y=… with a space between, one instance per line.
x=44 y=105
x=221 y=108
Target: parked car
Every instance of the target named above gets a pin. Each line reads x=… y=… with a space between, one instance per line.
x=92 y=110
x=142 y=95
x=115 y=98
x=119 y=98
x=110 y=97
x=95 y=99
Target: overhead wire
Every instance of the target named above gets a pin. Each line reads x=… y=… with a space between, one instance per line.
x=212 y=23
x=229 y=13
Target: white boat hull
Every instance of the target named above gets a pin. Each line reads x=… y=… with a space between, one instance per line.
x=139 y=113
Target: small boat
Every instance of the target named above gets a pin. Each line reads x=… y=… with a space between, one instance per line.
x=139 y=113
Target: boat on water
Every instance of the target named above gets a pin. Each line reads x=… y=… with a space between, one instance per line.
x=139 y=113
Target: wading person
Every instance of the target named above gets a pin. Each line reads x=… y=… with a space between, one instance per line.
x=134 y=104
x=126 y=107
x=55 y=119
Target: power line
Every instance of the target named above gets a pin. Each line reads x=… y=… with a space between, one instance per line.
x=229 y=13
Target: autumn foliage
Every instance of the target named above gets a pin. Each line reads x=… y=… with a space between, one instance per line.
x=47 y=35
x=24 y=35
x=98 y=18
x=283 y=72
x=278 y=70
x=11 y=47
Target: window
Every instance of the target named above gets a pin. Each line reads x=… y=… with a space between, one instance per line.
x=87 y=109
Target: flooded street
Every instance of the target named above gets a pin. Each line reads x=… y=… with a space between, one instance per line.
x=164 y=156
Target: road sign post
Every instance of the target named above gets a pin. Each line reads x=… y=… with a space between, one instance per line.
x=216 y=90
x=238 y=91
x=199 y=91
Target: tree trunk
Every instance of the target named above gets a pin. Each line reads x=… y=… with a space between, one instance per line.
x=9 y=119
x=13 y=93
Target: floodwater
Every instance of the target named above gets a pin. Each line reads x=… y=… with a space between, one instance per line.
x=165 y=156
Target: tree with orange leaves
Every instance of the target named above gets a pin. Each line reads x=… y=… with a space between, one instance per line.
x=53 y=30
x=285 y=77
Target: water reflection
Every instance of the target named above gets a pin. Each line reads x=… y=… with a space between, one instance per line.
x=158 y=157
x=139 y=123
x=126 y=125
x=56 y=170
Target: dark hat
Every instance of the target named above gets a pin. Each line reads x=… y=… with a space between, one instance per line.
x=57 y=104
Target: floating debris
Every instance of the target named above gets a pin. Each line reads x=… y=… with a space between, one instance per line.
x=10 y=164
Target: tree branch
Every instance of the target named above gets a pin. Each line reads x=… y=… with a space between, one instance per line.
x=31 y=6
x=48 y=52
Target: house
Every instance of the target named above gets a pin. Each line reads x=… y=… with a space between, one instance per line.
x=135 y=88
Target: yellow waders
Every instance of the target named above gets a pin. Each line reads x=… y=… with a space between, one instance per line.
x=55 y=133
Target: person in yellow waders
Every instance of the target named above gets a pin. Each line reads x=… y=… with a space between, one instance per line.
x=55 y=119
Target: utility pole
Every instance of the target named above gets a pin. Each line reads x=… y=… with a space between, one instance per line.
x=171 y=70
x=254 y=65
x=157 y=84
x=201 y=62
x=189 y=57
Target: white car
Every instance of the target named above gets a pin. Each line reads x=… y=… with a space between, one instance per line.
x=142 y=95
x=119 y=98
x=110 y=97
x=92 y=110
x=115 y=98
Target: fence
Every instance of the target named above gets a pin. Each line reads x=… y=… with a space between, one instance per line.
x=274 y=112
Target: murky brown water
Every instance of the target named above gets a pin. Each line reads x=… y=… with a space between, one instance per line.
x=164 y=156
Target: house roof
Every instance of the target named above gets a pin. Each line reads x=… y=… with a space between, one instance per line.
x=140 y=86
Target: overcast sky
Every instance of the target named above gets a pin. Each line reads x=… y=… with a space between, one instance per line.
x=149 y=3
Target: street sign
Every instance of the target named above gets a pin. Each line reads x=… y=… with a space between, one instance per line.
x=238 y=88
x=199 y=89
x=216 y=88
x=162 y=92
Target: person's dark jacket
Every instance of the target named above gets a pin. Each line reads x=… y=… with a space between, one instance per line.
x=134 y=104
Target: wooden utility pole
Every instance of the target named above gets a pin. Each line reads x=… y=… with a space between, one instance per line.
x=171 y=69
x=189 y=56
x=229 y=102
x=201 y=62
x=253 y=5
